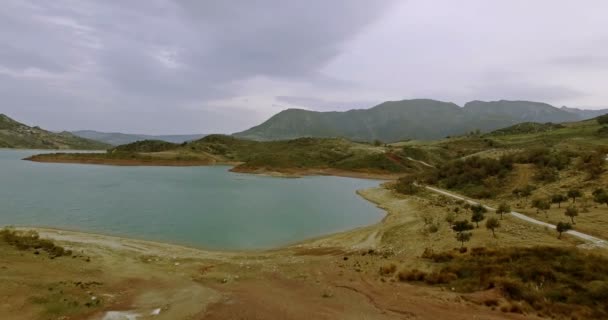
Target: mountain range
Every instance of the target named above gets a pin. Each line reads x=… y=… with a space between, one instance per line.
x=14 y=134
x=411 y=119
x=117 y=138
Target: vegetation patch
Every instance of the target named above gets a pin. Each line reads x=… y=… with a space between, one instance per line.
x=558 y=282
x=30 y=240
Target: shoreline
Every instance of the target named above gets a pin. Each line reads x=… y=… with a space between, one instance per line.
x=270 y=172
x=119 y=242
x=134 y=162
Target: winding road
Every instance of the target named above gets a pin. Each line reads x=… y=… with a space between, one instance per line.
x=593 y=240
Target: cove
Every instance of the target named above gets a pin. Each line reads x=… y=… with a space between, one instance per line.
x=206 y=207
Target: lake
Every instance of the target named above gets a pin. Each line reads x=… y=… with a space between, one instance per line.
x=207 y=207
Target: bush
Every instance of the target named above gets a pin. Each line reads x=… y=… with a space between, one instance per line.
x=557 y=281
x=437 y=257
x=26 y=240
x=413 y=275
x=388 y=269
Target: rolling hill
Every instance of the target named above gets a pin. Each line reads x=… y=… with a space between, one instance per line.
x=117 y=138
x=422 y=119
x=14 y=134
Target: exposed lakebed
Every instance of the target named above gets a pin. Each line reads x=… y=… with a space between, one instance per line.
x=207 y=207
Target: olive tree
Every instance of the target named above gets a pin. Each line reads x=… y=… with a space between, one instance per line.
x=562 y=227
x=558 y=198
x=502 y=209
x=492 y=224
x=571 y=212
x=461 y=227
x=573 y=194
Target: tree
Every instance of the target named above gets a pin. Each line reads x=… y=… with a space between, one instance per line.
x=463 y=237
x=541 y=205
x=602 y=119
x=558 y=198
x=571 y=212
x=600 y=196
x=407 y=185
x=562 y=227
x=527 y=191
x=502 y=209
x=478 y=213
x=524 y=192
x=592 y=162
x=573 y=194
x=461 y=227
x=492 y=224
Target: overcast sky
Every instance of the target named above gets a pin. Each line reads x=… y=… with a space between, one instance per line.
x=171 y=66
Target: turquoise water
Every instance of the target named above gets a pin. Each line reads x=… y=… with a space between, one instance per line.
x=206 y=207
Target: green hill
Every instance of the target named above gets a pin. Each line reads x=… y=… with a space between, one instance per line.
x=408 y=119
x=322 y=155
x=117 y=138
x=14 y=134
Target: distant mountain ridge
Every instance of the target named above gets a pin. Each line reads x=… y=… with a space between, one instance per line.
x=117 y=138
x=585 y=114
x=14 y=134
x=410 y=119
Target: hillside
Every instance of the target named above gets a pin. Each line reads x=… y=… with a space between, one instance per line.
x=408 y=119
x=117 y=138
x=17 y=135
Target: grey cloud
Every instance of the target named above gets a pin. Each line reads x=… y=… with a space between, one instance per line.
x=584 y=61
x=159 y=56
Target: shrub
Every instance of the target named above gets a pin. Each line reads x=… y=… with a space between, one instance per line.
x=388 y=269
x=557 y=281
x=413 y=275
x=437 y=257
x=562 y=227
x=26 y=240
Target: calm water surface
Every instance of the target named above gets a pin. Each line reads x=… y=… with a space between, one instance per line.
x=200 y=206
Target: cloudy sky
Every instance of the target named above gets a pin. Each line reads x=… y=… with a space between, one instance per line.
x=189 y=66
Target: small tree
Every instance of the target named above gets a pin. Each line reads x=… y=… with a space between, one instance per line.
x=502 y=209
x=478 y=213
x=461 y=227
x=562 y=227
x=526 y=192
x=558 y=198
x=573 y=194
x=600 y=196
x=463 y=237
x=541 y=205
x=407 y=185
x=571 y=212
x=492 y=224
x=536 y=204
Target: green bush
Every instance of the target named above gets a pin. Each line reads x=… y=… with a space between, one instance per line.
x=26 y=240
